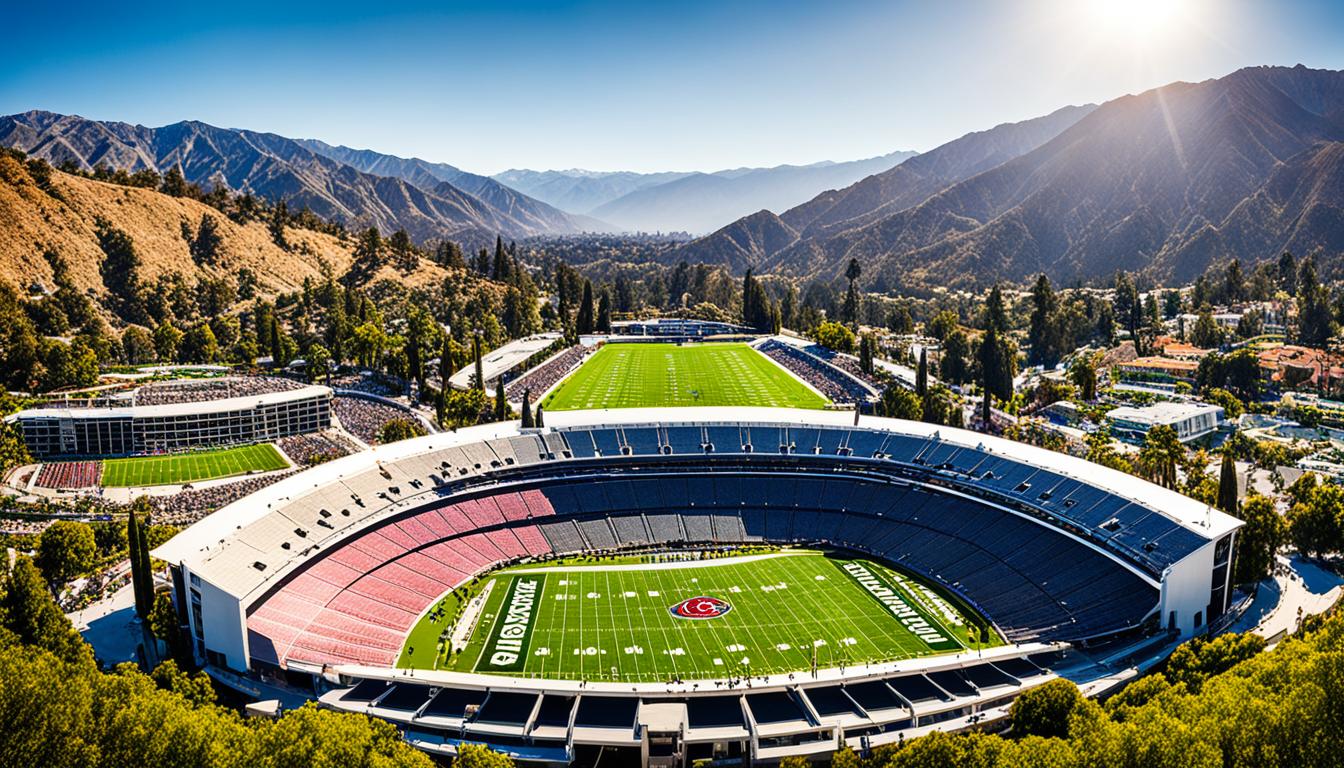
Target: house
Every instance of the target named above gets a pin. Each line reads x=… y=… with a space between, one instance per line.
x=1190 y=420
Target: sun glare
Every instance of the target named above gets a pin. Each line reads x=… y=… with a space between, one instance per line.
x=1137 y=22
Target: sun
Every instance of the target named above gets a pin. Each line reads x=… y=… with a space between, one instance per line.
x=1135 y=21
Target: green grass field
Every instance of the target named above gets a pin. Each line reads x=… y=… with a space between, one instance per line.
x=634 y=375
x=614 y=622
x=179 y=468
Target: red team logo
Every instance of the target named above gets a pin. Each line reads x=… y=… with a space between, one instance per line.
x=700 y=608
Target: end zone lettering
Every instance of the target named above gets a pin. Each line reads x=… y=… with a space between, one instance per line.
x=898 y=607
x=508 y=643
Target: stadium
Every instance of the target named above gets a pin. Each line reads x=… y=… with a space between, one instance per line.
x=663 y=585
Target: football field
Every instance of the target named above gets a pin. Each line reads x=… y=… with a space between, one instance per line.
x=697 y=619
x=635 y=375
x=174 y=469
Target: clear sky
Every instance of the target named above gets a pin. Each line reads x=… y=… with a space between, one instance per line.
x=632 y=85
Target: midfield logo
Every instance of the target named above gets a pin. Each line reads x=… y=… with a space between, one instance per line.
x=700 y=608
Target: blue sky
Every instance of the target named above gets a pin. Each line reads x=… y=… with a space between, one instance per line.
x=633 y=85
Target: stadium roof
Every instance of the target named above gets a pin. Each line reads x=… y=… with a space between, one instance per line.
x=280 y=525
x=504 y=359
x=195 y=408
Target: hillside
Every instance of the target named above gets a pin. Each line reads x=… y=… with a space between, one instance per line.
x=579 y=190
x=32 y=220
x=1169 y=181
x=909 y=183
x=274 y=168
x=445 y=179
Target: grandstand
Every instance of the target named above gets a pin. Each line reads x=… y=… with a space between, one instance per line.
x=315 y=582
x=178 y=416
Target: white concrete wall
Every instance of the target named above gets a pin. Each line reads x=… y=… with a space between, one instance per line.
x=1185 y=590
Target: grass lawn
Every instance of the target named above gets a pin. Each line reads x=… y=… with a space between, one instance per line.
x=635 y=375
x=179 y=468
x=616 y=621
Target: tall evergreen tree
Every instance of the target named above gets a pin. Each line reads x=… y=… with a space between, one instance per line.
x=604 y=312
x=586 y=321
x=501 y=402
x=142 y=597
x=1227 y=485
x=479 y=376
x=502 y=266
x=527 y=409
x=922 y=373
x=540 y=422
x=850 y=309
x=1042 y=334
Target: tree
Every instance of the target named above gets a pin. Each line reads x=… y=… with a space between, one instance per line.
x=120 y=268
x=276 y=225
x=850 y=310
x=501 y=403
x=399 y=429
x=586 y=321
x=1315 y=321
x=539 y=422
x=478 y=377
x=1314 y=522
x=1045 y=710
x=1043 y=335
x=319 y=361
x=527 y=409
x=140 y=586
x=66 y=549
x=481 y=756
x=1206 y=333
x=1083 y=374
x=29 y=612
x=1227 y=485
x=137 y=345
x=463 y=407
x=163 y=623
x=834 y=336
x=922 y=373
x=1128 y=308
x=199 y=345
x=1258 y=540
x=174 y=183
x=942 y=325
x=196 y=689
x=1196 y=660
x=205 y=245
x=866 y=346
x=604 y=312
x=899 y=403
x=1160 y=455
x=953 y=364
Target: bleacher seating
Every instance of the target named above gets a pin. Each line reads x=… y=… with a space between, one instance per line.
x=356 y=602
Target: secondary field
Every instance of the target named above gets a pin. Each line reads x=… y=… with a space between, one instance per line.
x=635 y=375
x=769 y=614
x=180 y=468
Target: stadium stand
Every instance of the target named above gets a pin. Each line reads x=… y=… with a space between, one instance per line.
x=826 y=379
x=543 y=377
x=70 y=474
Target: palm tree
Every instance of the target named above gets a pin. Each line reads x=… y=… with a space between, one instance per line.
x=1161 y=454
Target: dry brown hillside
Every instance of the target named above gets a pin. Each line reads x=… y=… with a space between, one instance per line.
x=31 y=221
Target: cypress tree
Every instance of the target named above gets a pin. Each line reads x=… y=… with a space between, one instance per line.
x=480 y=369
x=501 y=404
x=133 y=554
x=585 y=322
x=922 y=374
x=1227 y=485
x=538 y=421
x=146 y=568
x=527 y=409
x=604 y=313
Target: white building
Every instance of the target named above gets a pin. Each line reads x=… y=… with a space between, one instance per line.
x=1190 y=420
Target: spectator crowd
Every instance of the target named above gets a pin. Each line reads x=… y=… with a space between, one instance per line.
x=825 y=379
x=365 y=418
x=316 y=447
x=543 y=377
x=202 y=390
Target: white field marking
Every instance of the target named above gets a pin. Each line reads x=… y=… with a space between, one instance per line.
x=745 y=661
x=628 y=593
x=849 y=641
x=594 y=595
x=664 y=566
x=564 y=597
x=564 y=582
x=819 y=577
x=634 y=650
x=781 y=585
x=818 y=643
x=718 y=662
x=768 y=588
x=676 y=652
x=542 y=652
x=735 y=647
x=653 y=593
x=734 y=589
x=783 y=647
x=695 y=581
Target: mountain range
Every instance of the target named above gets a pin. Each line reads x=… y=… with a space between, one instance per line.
x=1169 y=181
x=429 y=201
x=690 y=202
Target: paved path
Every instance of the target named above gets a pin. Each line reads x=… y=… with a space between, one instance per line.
x=1299 y=586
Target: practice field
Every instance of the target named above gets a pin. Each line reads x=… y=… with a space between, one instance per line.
x=749 y=615
x=635 y=375
x=179 y=468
